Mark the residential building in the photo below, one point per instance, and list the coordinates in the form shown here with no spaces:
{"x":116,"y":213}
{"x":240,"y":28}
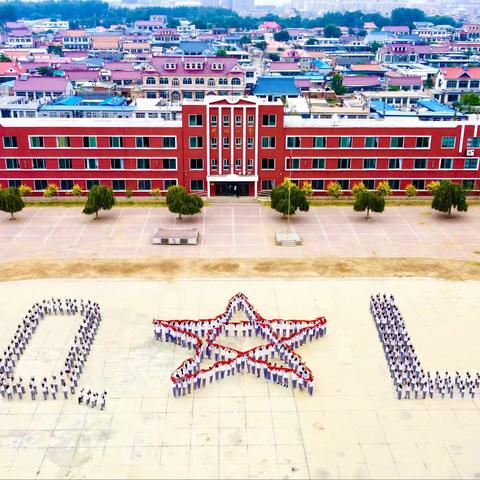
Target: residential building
{"x":35,"y":87}
{"x":451,"y":83}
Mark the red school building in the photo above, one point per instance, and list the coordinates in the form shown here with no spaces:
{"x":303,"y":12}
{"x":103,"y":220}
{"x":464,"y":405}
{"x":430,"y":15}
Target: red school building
{"x":243,"y":142}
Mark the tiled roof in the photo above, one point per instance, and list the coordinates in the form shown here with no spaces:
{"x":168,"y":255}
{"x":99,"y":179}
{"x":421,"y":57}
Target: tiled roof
{"x":79,"y":76}
{"x":454,"y":72}
{"x":41,"y":84}
{"x":360,"y":81}
{"x":9,"y":68}
{"x":118,"y":75}
{"x":158,"y":63}
{"x":405,"y":81}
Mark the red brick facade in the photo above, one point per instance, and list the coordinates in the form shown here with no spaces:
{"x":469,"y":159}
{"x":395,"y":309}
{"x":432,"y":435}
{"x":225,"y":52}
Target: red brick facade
{"x":244,"y":142}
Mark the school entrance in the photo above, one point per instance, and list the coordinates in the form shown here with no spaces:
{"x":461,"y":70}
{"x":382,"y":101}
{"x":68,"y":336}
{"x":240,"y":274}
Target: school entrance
{"x":232,"y":189}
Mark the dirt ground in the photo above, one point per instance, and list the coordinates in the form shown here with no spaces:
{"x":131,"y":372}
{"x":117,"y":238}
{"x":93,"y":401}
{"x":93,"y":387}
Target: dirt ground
{"x":157,"y":268}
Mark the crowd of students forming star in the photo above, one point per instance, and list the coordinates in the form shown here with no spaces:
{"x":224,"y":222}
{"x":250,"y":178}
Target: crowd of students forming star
{"x":283,"y":336}
{"x":408,"y":375}
{"x":67,"y":380}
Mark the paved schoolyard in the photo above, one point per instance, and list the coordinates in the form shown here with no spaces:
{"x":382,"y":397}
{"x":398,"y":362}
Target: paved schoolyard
{"x":241,"y":230}
{"x":243,"y":427}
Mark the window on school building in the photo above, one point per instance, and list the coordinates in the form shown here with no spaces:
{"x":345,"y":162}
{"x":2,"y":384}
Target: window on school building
{"x":446,"y":163}
{"x":117,"y":163}
{"x":10,"y":142}
{"x":64,"y":163}
{"x":214,"y":164}
{"x":292,"y":164}
{"x":196,"y":164}
{"x":469,"y":184}
{"x":63,"y":142}
{"x":448,"y":142}
{"x":238,"y":120}
{"x":267,"y":184}
{"x":12,"y":163}
{"x":345,"y":142}
{"x":394,"y":184}
{"x":36,"y":142}
{"x":471,"y":164}
{"x":250,"y":164}
{"x":371,"y":142}
{"x":268,"y":142}
{"x":250,"y":120}
{"x":397,"y":142}
{"x":226,"y":164}
{"x":319,"y":142}
{"x":226,"y":120}
{"x":38,"y":163}
{"x":169,"y":183}
{"x":169,"y":142}
{"x":423,"y":142}
{"x":318,"y":163}
{"x":89,"y":142}
{"x":369,"y":163}
{"x":420,"y":163}
{"x":343,"y":163}
{"x":238,"y":164}
{"x":394,"y":163}
{"x":419,"y":184}
{"x":213,"y":120}
{"x":293,"y":142}
{"x":195,"y":120}
{"x":91,"y":183}
{"x":238,"y":142}
{"x":169,"y":163}
{"x":269,"y":120}
{"x":268,"y":164}
{"x":196,"y":185}
{"x":226,"y":142}
{"x":473,"y":142}
{"x":118,"y":184}
{"x":369,"y":184}
{"x":66,"y":185}
{"x":91,"y":163}
{"x":195,"y":142}
{"x":143,"y":164}
{"x":116,"y":142}
{"x":214,"y":142}
{"x":317,"y":184}
{"x":145,"y":185}
{"x":14,"y":183}
{"x":142,"y":142}
{"x":250,"y":142}
{"x":40,"y":184}
{"x":344,"y":184}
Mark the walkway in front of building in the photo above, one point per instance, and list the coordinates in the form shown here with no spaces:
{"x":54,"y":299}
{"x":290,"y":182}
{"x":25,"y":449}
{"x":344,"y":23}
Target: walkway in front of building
{"x":240,"y":230}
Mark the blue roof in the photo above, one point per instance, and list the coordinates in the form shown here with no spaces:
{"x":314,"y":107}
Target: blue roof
{"x":112,"y":103}
{"x":276,"y":86}
{"x":321,"y":64}
{"x":381,"y":106}
{"x":69,"y":101}
{"x":435,"y":106}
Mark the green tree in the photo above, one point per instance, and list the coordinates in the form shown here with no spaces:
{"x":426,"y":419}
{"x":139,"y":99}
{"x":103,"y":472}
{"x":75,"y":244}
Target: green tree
{"x":51,"y":190}
{"x":244,"y":39}
{"x":428,"y":83}
{"x":282,"y":36}
{"x":76,"y":190}
{"x":410,"y":191}
{"x":128,"y":193}
{"x":334,"y":190}
{"x":4,"y":58}
{"x":221,"y":52}
{"x":469,"y":100}
{"x":275,"y":57}
{"x":288,"y":197}
{"x":449,"y":195}
{"x":24,"y":190}
{"x":181,"y":202}
{"x":432,"y":186}
{"x":357,"y":189}
{"x":331,"y":31}
{"x":311,"y":41}
{"x":369,"y":201}
{"x":45,"y":71}
{"x":260,"y":45}
{"x":384,"y":189}
{"x":375,"y":46}
{"x":11,"y":201}
{"x":56,"y":49}
{"x":336,"y":84}
{"x":100,"y":197}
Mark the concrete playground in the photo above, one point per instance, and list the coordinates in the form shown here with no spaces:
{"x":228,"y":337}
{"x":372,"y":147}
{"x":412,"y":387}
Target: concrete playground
{"x":242,"y":427}
{"x":240,"y":231}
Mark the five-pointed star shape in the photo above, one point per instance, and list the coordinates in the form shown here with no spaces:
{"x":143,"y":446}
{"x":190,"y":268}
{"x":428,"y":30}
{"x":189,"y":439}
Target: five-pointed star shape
{"x":256,"y":358}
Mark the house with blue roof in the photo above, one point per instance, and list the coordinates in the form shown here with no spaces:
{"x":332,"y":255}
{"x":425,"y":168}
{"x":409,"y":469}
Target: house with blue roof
{"x":274,"y":88}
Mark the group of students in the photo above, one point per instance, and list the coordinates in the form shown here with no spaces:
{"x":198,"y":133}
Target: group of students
{"x":67,"y":380}
{"x":282,"y":336}
{"x":408,"y":375}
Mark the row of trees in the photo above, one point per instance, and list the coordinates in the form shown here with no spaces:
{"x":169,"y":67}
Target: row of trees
{"x":91,"y":13}
{"x":288,"y":197}
{"x":101,"y":197}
